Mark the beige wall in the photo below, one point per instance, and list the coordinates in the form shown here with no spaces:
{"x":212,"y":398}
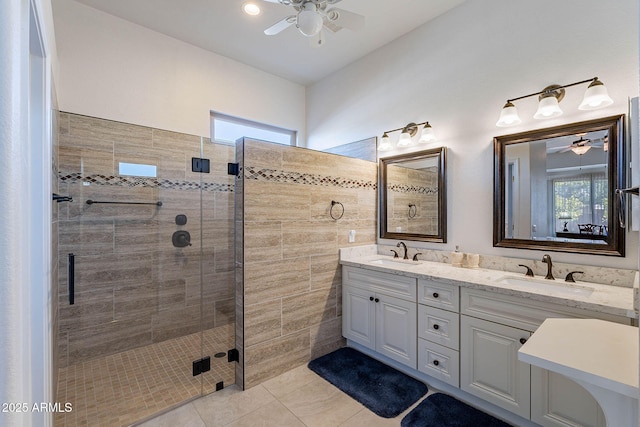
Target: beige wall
{"x":133,"y":287}
{"x":292,"y":279}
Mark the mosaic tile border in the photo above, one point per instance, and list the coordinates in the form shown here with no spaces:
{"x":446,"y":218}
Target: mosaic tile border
{"x":286,"y":177}
{"x":130,"y":181}
{"x":404,"y":188}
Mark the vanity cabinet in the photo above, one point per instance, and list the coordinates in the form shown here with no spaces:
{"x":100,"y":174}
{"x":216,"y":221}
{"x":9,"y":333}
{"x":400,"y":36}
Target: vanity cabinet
{"x":439,"y":330}
{"x":493,"y":328}
{"x":380,"y":312}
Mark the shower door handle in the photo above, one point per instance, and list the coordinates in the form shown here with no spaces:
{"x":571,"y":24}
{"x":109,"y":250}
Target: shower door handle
{"x":72,"y":278}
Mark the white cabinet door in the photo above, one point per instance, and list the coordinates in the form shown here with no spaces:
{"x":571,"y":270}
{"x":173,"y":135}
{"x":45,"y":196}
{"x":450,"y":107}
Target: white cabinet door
{"x":556,"y":401}
{"x":397,"y":330}
{"x":489,"y":365}
{"x":358,"y":316}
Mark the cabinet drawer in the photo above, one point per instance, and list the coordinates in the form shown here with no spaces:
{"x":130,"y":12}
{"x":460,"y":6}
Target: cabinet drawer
{"x":439,"y":326}
{"x":439,"y":362}
{"x":440,"y":295}
{"x":521,"y":312}
{"x":384,"y":283}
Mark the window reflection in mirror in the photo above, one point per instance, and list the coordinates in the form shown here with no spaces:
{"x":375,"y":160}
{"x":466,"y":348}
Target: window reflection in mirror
{"x":412,"y":196}
{"x":556,"y":188}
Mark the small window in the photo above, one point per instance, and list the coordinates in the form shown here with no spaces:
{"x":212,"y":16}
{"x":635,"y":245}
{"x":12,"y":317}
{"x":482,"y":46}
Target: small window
{"x":227,"y":129}
{"x":137,"y":169}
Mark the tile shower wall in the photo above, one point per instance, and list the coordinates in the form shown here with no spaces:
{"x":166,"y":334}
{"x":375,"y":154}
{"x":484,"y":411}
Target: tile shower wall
{"x":133,"y":287}
{"x":292,"y":278}
{"x":412,"y":208}
{"x":55,"y":362}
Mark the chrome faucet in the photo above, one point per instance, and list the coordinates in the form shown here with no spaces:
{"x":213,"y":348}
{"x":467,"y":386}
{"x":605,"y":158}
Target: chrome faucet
{"x":405,"y":249}
{"x":547,"y":260}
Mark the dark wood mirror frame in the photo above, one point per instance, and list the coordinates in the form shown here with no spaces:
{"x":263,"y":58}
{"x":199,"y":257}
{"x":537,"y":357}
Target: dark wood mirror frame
{"x":441,"y":235}
{"x":615,"y":241}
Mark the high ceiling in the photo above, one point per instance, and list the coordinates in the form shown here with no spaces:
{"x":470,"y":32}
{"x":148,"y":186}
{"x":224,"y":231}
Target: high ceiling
{"x":222,"y":27}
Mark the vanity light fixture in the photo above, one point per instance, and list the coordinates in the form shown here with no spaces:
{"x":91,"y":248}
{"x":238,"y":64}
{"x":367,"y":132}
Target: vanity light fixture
{"x":549,"y":98}
{"x":408,"y":132}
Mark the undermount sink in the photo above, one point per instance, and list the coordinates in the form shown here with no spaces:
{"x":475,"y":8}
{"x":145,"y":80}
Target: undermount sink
{"x":555,"y":286}
{"x":393,"y":261}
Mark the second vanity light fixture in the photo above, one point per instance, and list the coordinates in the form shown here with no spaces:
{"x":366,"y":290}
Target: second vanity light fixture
{"x":410,"y":130}
{"x":595,"y":97}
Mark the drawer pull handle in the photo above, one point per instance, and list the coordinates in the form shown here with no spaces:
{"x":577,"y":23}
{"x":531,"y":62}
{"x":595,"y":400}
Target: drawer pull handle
{"x":523,"y":340}
{"x":435,"y":295}
{"x":370,"y":298}
{"x":436,"y":327}
{"x":436,"y":363}
{"x":377,"y":300}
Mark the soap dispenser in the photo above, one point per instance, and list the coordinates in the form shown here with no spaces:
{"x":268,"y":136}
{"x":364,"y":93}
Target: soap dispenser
{"x":456,"y":257}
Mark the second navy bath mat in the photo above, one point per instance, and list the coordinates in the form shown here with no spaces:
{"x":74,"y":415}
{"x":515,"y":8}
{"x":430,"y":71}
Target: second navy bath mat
{"x":441,"y":410}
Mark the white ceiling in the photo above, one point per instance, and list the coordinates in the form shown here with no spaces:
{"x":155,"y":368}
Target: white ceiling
{"x":222,"y":27}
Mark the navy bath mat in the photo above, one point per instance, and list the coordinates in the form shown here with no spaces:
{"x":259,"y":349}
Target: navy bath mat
{"x":440,"y":410}
{"x":381,"y":388}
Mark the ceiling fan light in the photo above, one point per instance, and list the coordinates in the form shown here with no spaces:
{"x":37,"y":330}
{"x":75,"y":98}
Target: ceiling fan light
{"x":596,"y":96}
{"x":385,"y":144}
{"x":548,"y":107}
{"x":508,"y":116}
{"x":309,"y":21}
{"x":580,"y":149}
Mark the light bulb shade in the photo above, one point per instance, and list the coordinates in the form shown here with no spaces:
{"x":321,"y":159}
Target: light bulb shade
{"x":508,"y":116}
{"x":547,"y":108}
{"x":384,"y":144}
{"x":581,"y":149}
{"x":427,"y":134}
{"x":595,"y":97}
{"x":405,"y":139}
{"x":309,"y":21}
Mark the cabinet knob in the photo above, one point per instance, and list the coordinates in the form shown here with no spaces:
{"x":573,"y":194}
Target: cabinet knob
{"x":436,"y":363}
{"x":436,"y":327}
{"x":377,"y":300}
{"x":435,"y":295}
{"x":370,"y":298}
{"x":523,"y":340}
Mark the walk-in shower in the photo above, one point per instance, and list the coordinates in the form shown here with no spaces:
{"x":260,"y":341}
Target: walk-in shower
{"x":146,"y":290}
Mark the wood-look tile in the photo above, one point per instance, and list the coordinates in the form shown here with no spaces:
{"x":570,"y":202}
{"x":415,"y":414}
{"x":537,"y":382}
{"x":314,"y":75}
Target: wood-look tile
{"x":272,"y":358}
{"x":326,"y":271}
{"x":85,"y":237}
{"x":224,"y":312}
{"x":263,"y":240}
{"x":269,"y":280}
{"x":134,"y":300}
{"x":119,"y":132}
{"x":84,"y":160}
{"x":262,"y":322}
{"x":326,"y":337}
{"x":169,"y":324}
{"x":260,"y":154}
{"x":167,"y":140}
{"x":302,"y":311}
{"x":92,"y":307}
{"x":301,"y":238}
{"x":270,"y":201}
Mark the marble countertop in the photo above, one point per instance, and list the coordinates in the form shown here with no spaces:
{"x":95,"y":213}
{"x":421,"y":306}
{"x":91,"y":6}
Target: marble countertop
{"x":609,"y":299}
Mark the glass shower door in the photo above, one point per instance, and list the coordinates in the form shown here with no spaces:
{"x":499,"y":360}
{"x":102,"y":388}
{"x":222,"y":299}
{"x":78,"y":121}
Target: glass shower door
{"x":144,"y":274}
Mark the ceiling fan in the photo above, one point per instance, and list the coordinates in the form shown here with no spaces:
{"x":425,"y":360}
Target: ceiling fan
{"x":582,"y":145}
{"x":313,"y":15}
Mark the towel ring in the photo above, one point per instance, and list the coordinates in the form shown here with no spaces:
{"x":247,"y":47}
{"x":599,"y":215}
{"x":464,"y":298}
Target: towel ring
{"x":333,"y":203}
{"x":413,"y":210}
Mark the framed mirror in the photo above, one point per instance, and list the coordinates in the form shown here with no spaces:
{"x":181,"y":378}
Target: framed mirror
{"x":554,"y":188}
{"x":412,"y":196}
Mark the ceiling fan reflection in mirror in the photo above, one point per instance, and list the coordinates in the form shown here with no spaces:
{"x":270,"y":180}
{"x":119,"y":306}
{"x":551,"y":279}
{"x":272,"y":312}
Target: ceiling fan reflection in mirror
{"x":312,"y":16}
{"x":582,"y":145}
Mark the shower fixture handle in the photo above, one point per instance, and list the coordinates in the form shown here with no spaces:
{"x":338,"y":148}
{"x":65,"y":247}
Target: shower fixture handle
{"x":181,"y":239}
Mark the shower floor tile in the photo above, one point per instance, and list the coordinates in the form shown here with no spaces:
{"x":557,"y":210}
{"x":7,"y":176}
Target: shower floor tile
{"x":122,"y":388}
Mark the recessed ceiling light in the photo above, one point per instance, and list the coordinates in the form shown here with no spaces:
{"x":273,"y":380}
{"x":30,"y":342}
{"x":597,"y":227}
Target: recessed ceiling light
{"x":251,"y":9}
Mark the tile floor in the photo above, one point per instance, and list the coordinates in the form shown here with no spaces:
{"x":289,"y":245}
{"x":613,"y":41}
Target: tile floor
{"x":120,"y":389}
{"x":296,"y":398}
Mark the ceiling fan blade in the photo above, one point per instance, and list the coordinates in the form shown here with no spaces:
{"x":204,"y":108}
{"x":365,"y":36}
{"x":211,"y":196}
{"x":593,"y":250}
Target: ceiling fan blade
{"x":281,"y":25}
{"x":333,"y":1}
{"x":345,"y":19}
